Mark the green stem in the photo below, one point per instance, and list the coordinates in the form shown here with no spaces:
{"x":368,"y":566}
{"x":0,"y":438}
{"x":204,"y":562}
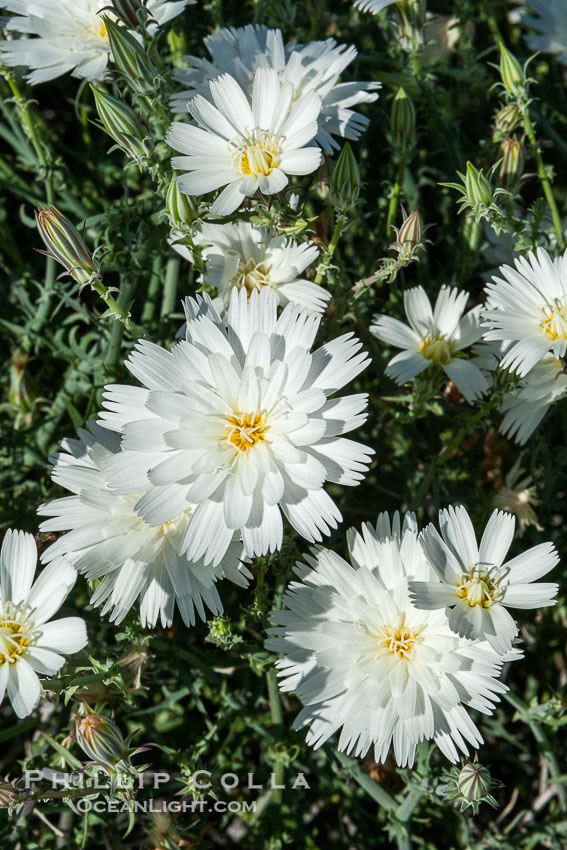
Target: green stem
{"x":331,"y":248}
{"x":546,"y":749}
{"x":417,"y":501}
{"x":117,"y":310}
{"x":543,"y":177}
{"x":276,"y":703}
{"x":153,"y":290}
{"x":169,"y":292}
{"x":394,"y":197}
{"x":117,"y":330}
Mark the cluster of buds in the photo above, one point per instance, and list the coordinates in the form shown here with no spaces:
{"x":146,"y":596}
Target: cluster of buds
{"x":402,"y":122}
{"x":345,"y":182}
{"x":102,"y":741}
{"x":468,"y":787}
{"x":122,"y":125}
{"x":130,"y":57}
{"x":478,"y":194}
{"x":66,"y":246}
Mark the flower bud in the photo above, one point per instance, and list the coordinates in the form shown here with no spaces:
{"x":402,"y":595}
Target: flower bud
{"x":131,"y":12}
{"x":511,"y":73}
{"x":410,"y":234}
{"x":477,"y":188}
{"x":345,"y":182}
{"x":506,"y":121}
{"x":469,"y":786}
{"x":178,"y":205}
{"x":65,"y":244}
{"x":9,"y":794}
{"x":512,"y":165}
{"x":402,"y":121}
{"x":101,"y":740}
{"x":121,"y":123}
{"x":130,"y":57}
{"x":474,"y":782}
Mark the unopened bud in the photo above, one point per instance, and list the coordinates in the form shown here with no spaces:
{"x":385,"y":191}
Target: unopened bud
{"x":511,"y":73}
{"x":178,"y":205}
{"x":402,"y":121}
{"x":101,"y":740}
{"x":345,"y":182}
{"x":65,"y":244}
{"x":130,"y":57}
{"x":506,"y":121}
{"x":512,"y":165}
{"x":9,"y":794}
{"x":411,"y":231}
{"x":474,"y":782}
{"x":477,"y":188}
{"x":131,"y":12}
{"x":121,"y":123}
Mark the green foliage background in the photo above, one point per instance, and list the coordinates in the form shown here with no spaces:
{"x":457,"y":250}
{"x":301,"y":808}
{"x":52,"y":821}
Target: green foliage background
{"x":204,"y":698}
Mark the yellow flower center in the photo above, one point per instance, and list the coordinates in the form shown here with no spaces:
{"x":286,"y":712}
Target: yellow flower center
{"x":245,"y":430}
{"x":13,"y":640}
{"x":480,"y":587}
{"x":437,"y":349}
{"x":400,"y":641}
{"x":256,"y":154}
{"x":554,"y":322}
{"x":251,"y":276}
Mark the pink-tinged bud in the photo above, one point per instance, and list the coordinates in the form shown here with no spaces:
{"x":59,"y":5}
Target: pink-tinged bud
{"x":65,"y":244}
{"x":179,"y":206}
{"x":412,"y":230}
{"x":512,"y":165}
{"x":101,"y":740}
{"x":121,"y":123}
{"x":511,"y":73}
{"x":9,"y":794}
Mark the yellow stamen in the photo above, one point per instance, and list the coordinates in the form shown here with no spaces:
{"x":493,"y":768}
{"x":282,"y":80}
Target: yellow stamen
{"x":251,"y":276}
{"x":437,"y":349}
{"x":554,"y":323}
{"x":400,"y":641}
{"x":480,"y":587}
{"x":258,"y":153}
{"x":13,"y":640}
{"x":244,"y":431}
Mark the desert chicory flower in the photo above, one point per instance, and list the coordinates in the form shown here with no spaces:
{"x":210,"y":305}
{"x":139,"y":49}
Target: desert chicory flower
{"x":434,"y":338}
{"x":245,"y":146}
{"x":29,"y":643}
{"x":237,"y":422}
{"x":364,"y":661}
{"x":475,"y":583}
{"x":314,"y":67}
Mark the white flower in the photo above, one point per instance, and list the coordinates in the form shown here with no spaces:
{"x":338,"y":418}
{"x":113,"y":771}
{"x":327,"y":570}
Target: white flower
{"x":107,"y":540}
{"x":526,"y":406}
{"x":550,"y":22}
{"x":435,"y":338}
{"x":373,"y":6}
{"x":243,"y":256}
{"x":527,"y":306}
{"x":314,"y":67}
{"x":29,"y":644}
{"x":238,"y":421}
{"x":67,"y":35}
{"x":247,"y":147}
{"x":476,"y":585}
{"x":361,"y":657}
